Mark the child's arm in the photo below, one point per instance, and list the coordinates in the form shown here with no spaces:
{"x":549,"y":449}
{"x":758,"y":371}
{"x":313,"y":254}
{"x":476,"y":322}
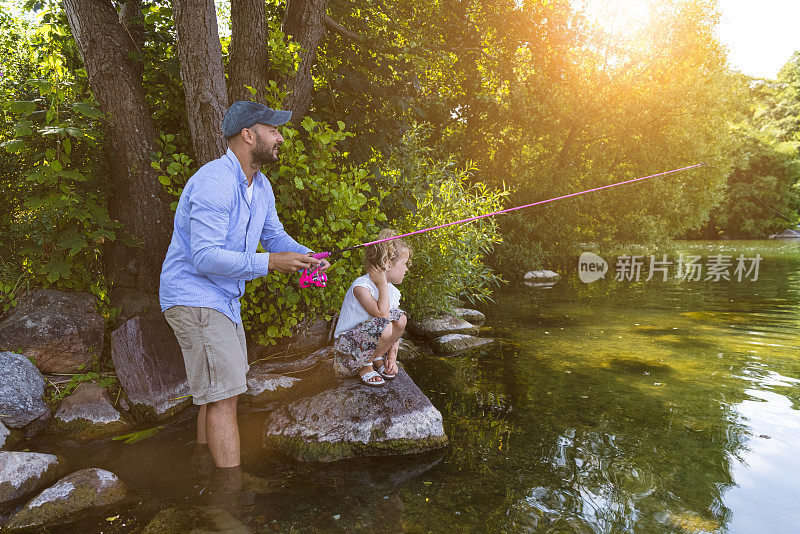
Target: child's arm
{"x":379,"y":308}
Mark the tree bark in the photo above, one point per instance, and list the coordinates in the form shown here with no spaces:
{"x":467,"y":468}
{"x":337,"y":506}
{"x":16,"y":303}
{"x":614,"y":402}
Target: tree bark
{"x":249,"y":63}
{"x":303,"y":20}
{"x":202,"y":74}
{"x":137,"y":200}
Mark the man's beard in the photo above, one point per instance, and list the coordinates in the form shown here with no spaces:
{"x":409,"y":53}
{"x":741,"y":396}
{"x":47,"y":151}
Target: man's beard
{"x":263,"y":153}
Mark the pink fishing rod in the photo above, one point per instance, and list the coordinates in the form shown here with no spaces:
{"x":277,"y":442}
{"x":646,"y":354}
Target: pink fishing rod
{"x":316,"y":277}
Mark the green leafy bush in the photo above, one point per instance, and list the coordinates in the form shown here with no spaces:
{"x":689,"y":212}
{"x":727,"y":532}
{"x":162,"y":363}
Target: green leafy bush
{"x":54,"y":193}
{"x":424,"y":191}
{"x":325,"y":206}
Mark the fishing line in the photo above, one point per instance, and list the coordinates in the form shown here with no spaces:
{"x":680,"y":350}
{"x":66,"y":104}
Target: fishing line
{"x":508,"y":210}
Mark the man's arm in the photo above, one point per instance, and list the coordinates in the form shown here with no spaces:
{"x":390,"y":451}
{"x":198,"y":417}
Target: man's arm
{"x":210,"y":205}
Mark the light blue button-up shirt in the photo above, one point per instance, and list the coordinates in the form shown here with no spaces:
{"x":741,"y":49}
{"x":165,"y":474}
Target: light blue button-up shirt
{"x":215,"y":236}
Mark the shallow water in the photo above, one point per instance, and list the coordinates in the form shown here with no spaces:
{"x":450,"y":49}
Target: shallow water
{"x":616,"y":406}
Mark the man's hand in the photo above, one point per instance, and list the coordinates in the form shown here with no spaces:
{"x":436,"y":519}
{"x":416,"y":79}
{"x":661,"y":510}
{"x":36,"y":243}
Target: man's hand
{"x":291,"y":262}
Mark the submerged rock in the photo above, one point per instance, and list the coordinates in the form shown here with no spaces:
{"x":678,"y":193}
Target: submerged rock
{"x":433,"y":327}
{"x":21,"y":390}
{"x":453,"y":343}
{"x":73,"y":494}
{"x":263,"y":387}
{"x":408,"y":350}
{"x":22,"y":473}
{"x":351,"y":419}
{"x":472,"y":316}
{"x":88,"y":414}
{"x":183,"y":518}
{"x":149,"y":365}
{"x":58,"y":331}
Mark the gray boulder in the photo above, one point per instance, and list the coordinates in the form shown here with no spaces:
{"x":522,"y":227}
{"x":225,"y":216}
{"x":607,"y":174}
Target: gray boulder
{"x":433,"y":327}
{"x":472,"y":316}
{"x":456,"y":343}
{"x":58,"y":331}
{"x":149,"y":364}
{"x":263,"y":387}
{"x":22,"y":473}
{"x":21,"y":390}
{"x":4,"y":435}
{"x":70,"y":496}
{"x":351,"y":419}
{"x":88,"y":414}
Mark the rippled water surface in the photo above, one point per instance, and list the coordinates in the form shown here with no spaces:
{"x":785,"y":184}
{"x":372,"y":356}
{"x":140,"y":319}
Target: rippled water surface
{"x":660,"y":406}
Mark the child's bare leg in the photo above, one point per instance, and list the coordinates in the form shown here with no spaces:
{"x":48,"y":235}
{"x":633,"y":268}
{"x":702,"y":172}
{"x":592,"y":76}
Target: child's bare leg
{"x":398,"y":327}
{"x":384,"y":342}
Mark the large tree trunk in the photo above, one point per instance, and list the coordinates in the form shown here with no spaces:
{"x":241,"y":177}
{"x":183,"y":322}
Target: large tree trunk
{"x":249,"y":63}
{"x":138,"y":200}
{"x":202,"y":74}
{"x":303,"y":20}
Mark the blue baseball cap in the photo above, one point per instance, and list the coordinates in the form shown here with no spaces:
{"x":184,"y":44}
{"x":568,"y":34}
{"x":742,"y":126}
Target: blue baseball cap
{"x":244,"y":114}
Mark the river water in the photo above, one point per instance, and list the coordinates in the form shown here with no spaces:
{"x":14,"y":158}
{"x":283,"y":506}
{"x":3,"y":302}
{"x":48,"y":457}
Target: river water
{"x":613,"y":406}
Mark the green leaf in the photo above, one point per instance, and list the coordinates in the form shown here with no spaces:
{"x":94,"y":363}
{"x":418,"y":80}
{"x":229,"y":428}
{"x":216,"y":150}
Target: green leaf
{"x":21,"y":107}
{"x":133,"y":437}
{"x":14,"y":145}
{"x":87,"y":110}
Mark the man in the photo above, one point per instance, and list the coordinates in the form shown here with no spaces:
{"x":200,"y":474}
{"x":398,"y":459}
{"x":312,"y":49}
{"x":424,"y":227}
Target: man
{"x":225,"y":210}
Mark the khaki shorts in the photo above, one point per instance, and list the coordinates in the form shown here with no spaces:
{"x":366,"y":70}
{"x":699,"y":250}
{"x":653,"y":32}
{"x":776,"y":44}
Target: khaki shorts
{"x":214,"y":352}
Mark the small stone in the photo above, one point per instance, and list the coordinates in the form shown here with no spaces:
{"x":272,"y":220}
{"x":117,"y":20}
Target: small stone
{"x":457,"y":343}
{"x":70,"y":496}
{"x":88,"y":414}
{"x":542,"y":276}
{"x":22,"y":473}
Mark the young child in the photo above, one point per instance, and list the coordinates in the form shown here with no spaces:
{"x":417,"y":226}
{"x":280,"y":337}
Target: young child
{"x":371,"y":321}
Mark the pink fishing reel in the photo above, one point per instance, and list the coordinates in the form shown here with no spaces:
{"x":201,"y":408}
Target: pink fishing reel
{"x":317,"y":277}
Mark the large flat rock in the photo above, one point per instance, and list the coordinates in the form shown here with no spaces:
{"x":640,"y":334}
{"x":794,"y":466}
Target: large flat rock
{"x":58,"y":331}
{"x":280,"y":365}
{"x":149,"y":365}
{"x":471,"y":316}
{"x":21,"y":390}
{"x":350,"y":419}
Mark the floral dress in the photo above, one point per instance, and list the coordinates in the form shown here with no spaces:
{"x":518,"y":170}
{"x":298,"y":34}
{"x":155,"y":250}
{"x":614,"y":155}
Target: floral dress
{"x":354,"y":348}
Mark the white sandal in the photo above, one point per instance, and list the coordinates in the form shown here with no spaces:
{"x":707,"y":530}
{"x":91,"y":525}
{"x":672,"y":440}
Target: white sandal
{"x":366,"y":377}
{"x":380,"y":370}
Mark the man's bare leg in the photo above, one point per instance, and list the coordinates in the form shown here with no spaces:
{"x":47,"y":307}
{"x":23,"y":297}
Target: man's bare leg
{"x":201,"y":426}
{"x":222,"y":431}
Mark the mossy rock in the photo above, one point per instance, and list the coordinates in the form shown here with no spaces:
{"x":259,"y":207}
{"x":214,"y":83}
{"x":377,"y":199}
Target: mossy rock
{"x":72,"y":495}
{"x":351,"y":419}
{"x":22,"y":473}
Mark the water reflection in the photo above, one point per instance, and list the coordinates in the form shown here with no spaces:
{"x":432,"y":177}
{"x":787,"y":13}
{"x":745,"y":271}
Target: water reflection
{"x":619,"y":407}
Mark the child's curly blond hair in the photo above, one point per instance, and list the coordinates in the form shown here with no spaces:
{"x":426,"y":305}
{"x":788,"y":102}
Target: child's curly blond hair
{"x":384,"y":255}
